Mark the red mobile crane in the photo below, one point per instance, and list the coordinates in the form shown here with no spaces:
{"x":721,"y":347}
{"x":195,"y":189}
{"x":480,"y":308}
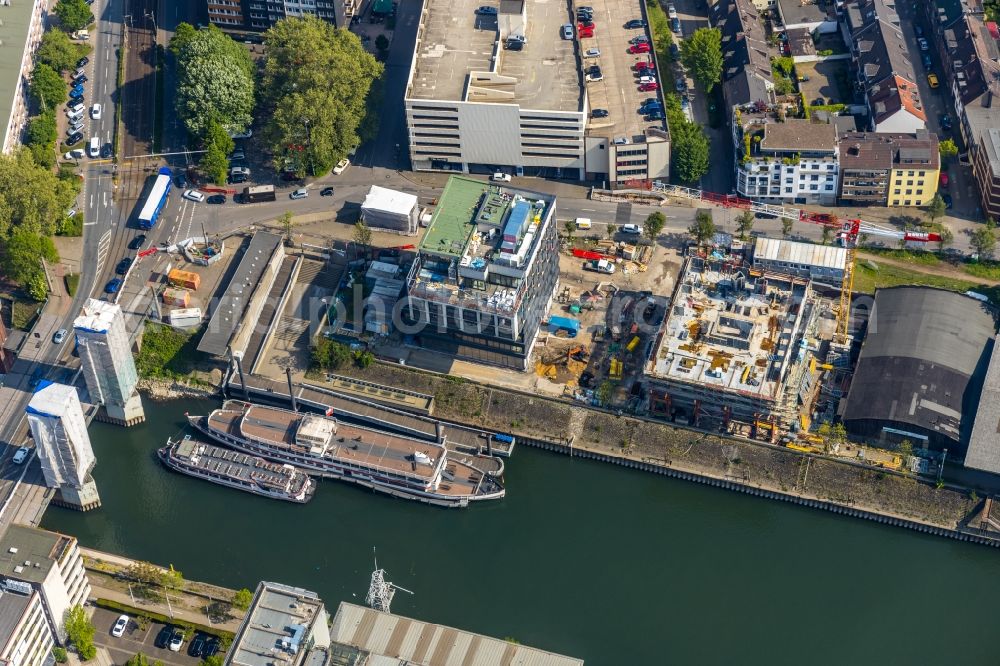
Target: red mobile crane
{"x":847,"y":230}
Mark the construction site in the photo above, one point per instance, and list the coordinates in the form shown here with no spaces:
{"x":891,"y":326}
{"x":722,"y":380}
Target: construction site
{"x":747,"y":349}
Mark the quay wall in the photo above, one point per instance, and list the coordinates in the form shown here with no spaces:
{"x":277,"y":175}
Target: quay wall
{"x":756,"y":468}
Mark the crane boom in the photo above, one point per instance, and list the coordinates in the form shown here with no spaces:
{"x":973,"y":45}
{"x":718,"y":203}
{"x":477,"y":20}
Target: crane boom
{"x":848,"y":231}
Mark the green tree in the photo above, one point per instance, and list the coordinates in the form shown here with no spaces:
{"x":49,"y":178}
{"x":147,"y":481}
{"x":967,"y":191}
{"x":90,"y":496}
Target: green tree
{"x":690,"y":152}
{"x":604,"y":392}
{"x":80,"y":632}
{"x":21,"y":259}
{"x":59,"y":654}
{"x":41,"y":138}
{"x":983,"y":240}
{"x":242,"y":599}
{"x":314,"y":87}
{"x":827,"y":235}
{"x":73,"y":14}
{"x":215,"y":82}
{"x":786,"y":226}
{"x":184,"y":34}
{"x":172,"y":579}
{"x":744,"y":223}
{"x":214,"y":660}
{"x":138,"y":659}
{"x":701,"y":53}
{"x":936,"y":208}
{"x":947,"y":148}
{"x":611,"y":230}
{"x":330,"y":355}
{"x":905,"y":449}
{"x":382,"y":44}
{"x":362,"y":235}
{"x":570,"y":228}
{"x":703,"y":228}
{"x":783,"y":65}
{"x":59,"y":52}
{"x":654,"y":225}
{"x":214,"y":164}
{"x":47,"y":88}
{"x":31,"y":197}
{"x":947,"y":237}
{"x":783,"y":86}
{"x":286,"y":225}
{"x":215,"y":134}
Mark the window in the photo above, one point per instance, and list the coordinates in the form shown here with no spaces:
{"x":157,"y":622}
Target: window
{"x":814,"y":177}
{"x":814,"y":187}
{"x":909,"y":191}
{"x":909,"y":182}
{"x":920,"y":173}
{"x":829,"y":187}
{"x":909,"y":173}
{"x":919,"y":192}
{"x":789,"y":181}
{"x":906,"y":203}
{"x":920,"y":183}
{"x":896,"y":192}
{"x":788,"y":190}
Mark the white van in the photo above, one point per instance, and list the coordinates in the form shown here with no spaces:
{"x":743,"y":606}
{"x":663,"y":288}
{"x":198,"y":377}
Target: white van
{"x":75,"y":154}
{"x":583,"y":223}
{"x":95,"y":147}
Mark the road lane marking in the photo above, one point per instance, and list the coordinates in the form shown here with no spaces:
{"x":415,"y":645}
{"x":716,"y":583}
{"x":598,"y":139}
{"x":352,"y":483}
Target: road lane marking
{"x":91,"y":200}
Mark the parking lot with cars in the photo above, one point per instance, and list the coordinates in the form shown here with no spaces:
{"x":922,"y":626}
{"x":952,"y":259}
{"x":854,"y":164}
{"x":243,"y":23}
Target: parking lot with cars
{"x":123,"y":639}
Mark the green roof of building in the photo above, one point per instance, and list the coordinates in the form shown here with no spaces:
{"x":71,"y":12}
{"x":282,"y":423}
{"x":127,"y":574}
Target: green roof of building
{"x":15,"y":19}
{"x":452,"y":224}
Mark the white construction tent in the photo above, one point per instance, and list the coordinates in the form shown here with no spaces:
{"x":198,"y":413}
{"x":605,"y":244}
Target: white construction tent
{"x":390,"y":210}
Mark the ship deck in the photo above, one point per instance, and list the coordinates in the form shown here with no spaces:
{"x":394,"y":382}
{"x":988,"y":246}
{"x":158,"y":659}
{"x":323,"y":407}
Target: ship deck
{"x":352,"y":444}
{"x":236,"y":465}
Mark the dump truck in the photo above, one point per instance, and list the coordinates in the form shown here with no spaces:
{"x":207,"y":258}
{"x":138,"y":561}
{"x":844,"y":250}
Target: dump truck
{"x":599,"y":265}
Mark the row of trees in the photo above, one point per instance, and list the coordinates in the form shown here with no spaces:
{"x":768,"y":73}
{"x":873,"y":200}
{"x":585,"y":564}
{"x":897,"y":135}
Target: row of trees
{"x":689,"y":148}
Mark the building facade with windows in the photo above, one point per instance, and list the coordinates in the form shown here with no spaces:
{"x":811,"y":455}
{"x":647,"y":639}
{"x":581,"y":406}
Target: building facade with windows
{"x":46,"y":563}
{"x":262,"y":14}
{"x":503,"y":91}
{"x":794,"y":161}
{"x":25,"y":636}
{"x":889,"y":169}
{"x":485,"y":273}
{"x":22,"y":24}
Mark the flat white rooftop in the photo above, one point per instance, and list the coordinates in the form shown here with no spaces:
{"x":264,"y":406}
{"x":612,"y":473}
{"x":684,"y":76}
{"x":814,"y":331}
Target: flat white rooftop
{"x":455,"y":42}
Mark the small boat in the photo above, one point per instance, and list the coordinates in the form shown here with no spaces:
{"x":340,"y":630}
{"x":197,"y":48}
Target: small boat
{"x":323,"y":446}
{"x":237,"y":470}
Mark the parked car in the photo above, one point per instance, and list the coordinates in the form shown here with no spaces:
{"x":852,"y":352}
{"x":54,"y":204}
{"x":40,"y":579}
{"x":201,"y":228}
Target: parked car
{"x":163,"y":638}
{"x":641,"y":39}
{"x":59,"y":336}
{"x":113,"y":286}
{"x":635,"y":229}
{"x":95,"y":111}
{"x":649,"y":87}
{"x":216,"y":199}
{"x":932,"y":80}
{"x":137,"y":242}
{"x":592,"y":53}
{"x":567,"y":31}
{"x":341,"y":166}
{"x":644,"y":66}
{"x":176,"y":641}
{"x":642,"y":47}
{"x":486,"y":10}
{"x":586,"y":32}
{"x":180,"y":180}
{"x":926,"y":59}
{"x":194,"y":195}
{"x":197,"y":646}
{"x":74,"y":108}
{"x":74,"y":138}
{"x":120,"y":626}
{"x":21,"y":455}
{"x":594,"y":73}
{"x":918,"y":31}
{"x":599,"y":113}
{"x":124,"y":265}
{"x":300,"y":193}
{"x":83,"y":62}
{"x":238,"y":154}
{"x":584,"y":24}
{"x":326,"y":192}
{"x":75,"y":128}
{"x":500,"y":177}
{"x":75,"y":154}
{"x":211,"y":647}
{"x":514,"y":43}
{"x":948,"y":201}
{"x":945,"y":122}
{"x":923,"y":44}
{"x":79,"y":80}
{"x":943,"y":179}
{"x":635,"y":24}
{"x":654,"y":115}
{"x":675,"y":51}
{"x":106,"y":150}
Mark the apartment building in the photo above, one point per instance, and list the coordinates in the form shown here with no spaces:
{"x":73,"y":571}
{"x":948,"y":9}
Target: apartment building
{"x":25,"y":635}
{"x":967,"y":46}
{"x":746,"y":68}
{"x":789,"y":161}
{"x":883,"y":67}
{"x":505,"y":91}
{"x":485,"y":273}
{"x":21,"y":26}
{"x":810,"y":15}
{"x":48,"y":564}
{"x":889,"y":169}
{"x":262,"y":14}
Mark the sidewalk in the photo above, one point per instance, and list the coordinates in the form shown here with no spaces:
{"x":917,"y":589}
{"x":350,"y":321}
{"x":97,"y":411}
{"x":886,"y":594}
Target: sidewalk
{"x":186,"y":605}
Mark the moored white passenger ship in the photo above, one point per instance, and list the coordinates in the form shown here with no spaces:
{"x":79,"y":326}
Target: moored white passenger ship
{"x":321,"y":445}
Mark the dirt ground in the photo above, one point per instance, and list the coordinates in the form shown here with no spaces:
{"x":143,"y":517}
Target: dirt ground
{"x":822,"y":80}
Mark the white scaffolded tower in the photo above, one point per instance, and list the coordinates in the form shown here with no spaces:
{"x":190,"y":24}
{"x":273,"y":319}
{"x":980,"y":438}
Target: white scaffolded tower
{"x":381,"y":591}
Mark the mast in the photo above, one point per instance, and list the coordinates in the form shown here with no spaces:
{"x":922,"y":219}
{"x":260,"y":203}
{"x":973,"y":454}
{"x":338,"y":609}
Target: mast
{"x":381,"y":591}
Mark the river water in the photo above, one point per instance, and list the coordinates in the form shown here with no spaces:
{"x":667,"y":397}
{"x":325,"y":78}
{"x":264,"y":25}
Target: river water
{"x":610,"y":565}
